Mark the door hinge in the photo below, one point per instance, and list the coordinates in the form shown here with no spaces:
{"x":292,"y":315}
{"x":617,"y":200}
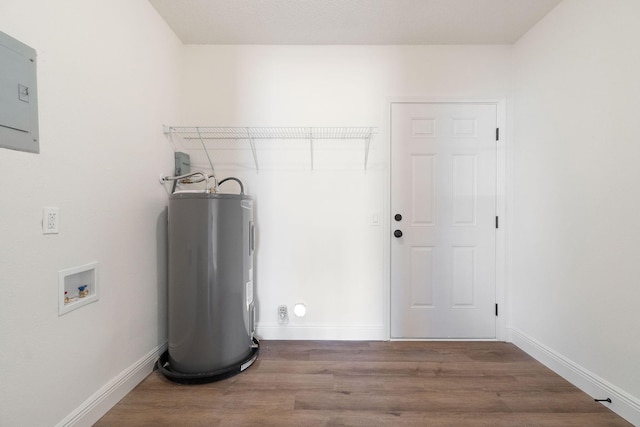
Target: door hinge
{"x":497,"y":134}
{"x":497,"y":222}
{"x":496,"y":309}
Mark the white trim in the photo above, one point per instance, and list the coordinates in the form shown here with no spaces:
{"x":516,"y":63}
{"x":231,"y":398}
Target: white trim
{"x":501,"y":202}
{"x":338,"y":333}
{"x":501,"y":211}
{"x":622,"y":403}
{"x":444,"y":340}
{"x":385,"y":140}
{"x":111,"y":393}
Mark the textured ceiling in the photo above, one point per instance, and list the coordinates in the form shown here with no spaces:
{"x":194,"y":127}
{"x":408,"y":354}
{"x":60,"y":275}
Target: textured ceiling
{"x":373,"y":22}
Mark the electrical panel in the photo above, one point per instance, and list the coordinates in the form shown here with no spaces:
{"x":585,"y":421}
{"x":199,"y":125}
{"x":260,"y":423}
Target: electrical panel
{"x":183,"y":163}
{"x":18,"y":96}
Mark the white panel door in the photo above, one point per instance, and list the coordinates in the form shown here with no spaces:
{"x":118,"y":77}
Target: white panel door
{"x":443,"y":214}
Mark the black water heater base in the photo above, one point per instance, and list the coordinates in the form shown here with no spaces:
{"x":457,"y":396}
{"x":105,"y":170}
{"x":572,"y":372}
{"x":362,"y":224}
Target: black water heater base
{"x":164,"y":366}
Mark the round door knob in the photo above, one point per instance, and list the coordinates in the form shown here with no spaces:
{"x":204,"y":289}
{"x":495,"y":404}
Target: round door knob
{"x":398,"y":217}
{"x":397,"y":233}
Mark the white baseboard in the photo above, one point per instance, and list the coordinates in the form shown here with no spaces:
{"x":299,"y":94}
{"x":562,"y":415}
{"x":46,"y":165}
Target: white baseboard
{"x":622,"y":403}
{"x":104,"y":399}
{"x":337,"y":333}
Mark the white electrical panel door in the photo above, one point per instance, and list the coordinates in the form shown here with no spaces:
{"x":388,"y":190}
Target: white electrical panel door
{"x":18,"y":96}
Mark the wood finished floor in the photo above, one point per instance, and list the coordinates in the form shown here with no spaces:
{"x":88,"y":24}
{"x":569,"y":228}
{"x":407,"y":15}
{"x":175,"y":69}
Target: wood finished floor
{"x":339,"y":383}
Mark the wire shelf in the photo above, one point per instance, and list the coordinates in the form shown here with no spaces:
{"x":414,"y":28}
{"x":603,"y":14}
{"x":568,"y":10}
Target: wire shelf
{"x":209,"y":132}
{"x":250,"y":134}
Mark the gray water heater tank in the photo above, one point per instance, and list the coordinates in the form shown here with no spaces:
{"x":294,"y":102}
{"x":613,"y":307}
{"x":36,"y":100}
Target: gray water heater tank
{"x":211,"y":307}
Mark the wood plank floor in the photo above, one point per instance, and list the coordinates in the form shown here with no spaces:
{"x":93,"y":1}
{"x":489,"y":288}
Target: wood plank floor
{"x":339,"y":383}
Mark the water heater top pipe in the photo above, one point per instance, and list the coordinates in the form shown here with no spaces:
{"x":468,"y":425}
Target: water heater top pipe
{"x":205,"y":178}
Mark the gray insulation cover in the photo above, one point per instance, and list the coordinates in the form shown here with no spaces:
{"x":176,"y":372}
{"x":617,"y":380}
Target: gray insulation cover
{"x":211,"y":309}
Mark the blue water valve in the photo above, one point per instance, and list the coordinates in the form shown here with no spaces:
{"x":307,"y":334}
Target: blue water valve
{"x":83,"y":291}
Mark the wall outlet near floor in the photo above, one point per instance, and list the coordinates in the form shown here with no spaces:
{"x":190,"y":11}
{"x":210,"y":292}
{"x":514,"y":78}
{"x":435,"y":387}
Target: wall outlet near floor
{"x":283,"y":315}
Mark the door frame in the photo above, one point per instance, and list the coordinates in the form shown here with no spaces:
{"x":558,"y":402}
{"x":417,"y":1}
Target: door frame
{"x":501,"y":203}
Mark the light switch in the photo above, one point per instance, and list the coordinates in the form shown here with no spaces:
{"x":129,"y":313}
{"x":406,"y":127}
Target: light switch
{"x":375,"y":219}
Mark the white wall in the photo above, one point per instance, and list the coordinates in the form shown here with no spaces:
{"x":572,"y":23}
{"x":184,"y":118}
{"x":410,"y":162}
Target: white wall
{"x":316,"y":241}
{"x":108,"y":74}
{"x":574,"y":224}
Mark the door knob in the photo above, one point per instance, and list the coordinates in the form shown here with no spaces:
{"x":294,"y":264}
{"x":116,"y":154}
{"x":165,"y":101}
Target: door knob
{"x":397,"y":233}
{"x":398,"y":217}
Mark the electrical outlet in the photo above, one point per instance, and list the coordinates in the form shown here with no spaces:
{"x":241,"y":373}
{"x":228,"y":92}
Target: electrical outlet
{"x":50,"y":221}
{"x":283,"y":316}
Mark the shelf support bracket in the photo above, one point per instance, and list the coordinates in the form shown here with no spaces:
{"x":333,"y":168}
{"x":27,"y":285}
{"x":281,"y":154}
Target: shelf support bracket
{"x":252,"y":144}
{"x":167,"y":130}
{"x":204,"y":147}
{"x":310,"y":131}
{"x":367,"y":144}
